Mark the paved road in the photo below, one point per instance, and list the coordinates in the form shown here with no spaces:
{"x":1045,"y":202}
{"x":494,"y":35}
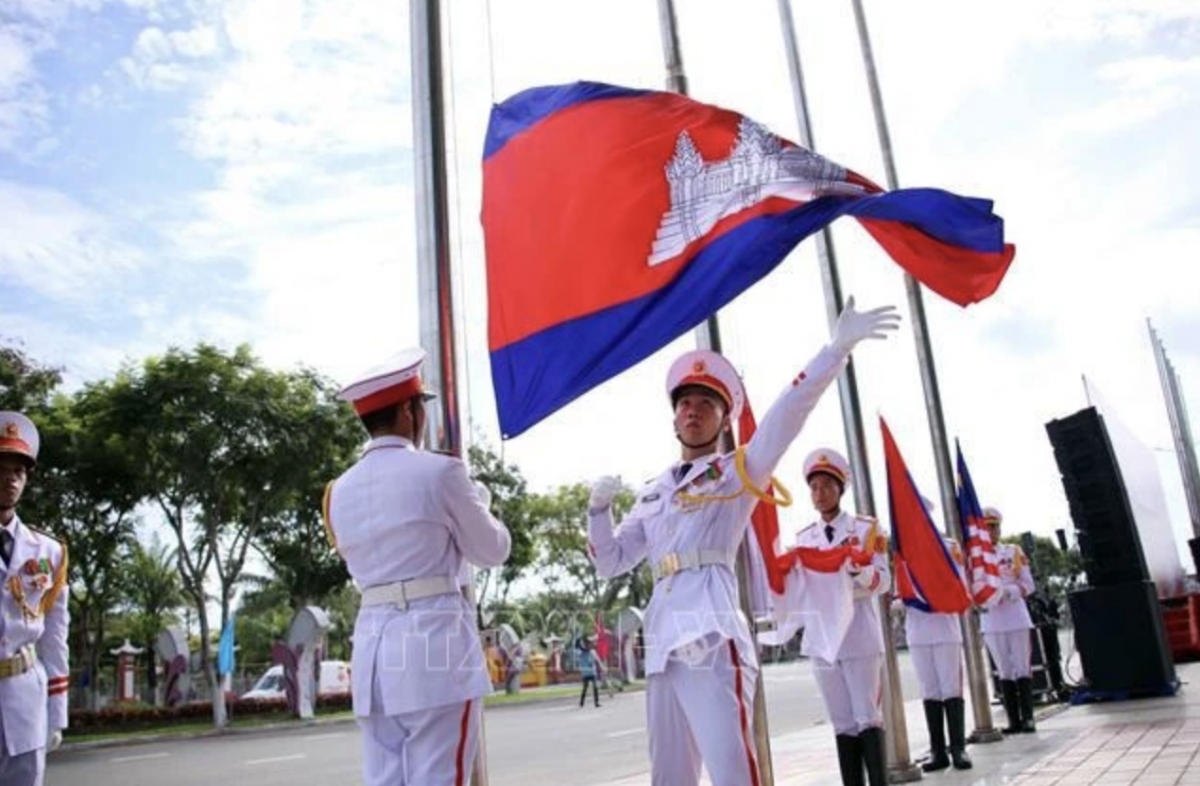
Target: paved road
{"x":548,"y":742}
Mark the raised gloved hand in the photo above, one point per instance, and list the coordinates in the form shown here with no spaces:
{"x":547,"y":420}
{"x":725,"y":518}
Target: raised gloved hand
{"x":604,"y":490}
{"x":854,"y":326}
{"x":54,"y":740}
{"x":484,"y":494}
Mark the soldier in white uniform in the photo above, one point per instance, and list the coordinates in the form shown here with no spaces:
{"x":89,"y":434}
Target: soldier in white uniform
{"x":701,"y":661}
{"x":1006,"y":629}
{"x":935,"y":646}
{"x":33,"y":620}
{"x":852,"y":685}
{"x":407,"y":521}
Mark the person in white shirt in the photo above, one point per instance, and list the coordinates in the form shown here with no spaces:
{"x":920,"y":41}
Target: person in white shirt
{"x":852,"y":683}
{"x":408,"y":522}
{"x":34,"y":673}
{"x":701,"y":662}
{"x":1006,"y":630}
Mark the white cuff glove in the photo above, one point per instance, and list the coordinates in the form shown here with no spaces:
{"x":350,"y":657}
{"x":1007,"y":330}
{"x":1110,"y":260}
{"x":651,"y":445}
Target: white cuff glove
{"x":853,"y":326}
{"x":604,"y":490}
{"x":484,"y":494}
{"x":54,"y":740}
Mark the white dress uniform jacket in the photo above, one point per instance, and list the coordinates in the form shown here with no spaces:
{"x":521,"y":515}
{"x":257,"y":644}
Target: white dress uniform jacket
{"x":33,"y":626}
{"x":399,"y":514}
{"x":663,"y":526}
{"x":1016,"y":583}
{"x":864,"y":636}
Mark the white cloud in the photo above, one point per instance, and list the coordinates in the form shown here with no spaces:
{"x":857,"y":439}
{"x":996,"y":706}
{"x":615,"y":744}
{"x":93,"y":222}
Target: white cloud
{"x":59,"y":248}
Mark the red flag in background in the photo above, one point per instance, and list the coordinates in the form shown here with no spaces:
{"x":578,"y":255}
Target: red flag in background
{"x":765,"y":518}
{"x":926,"y":574}
{"x":601,"y":638}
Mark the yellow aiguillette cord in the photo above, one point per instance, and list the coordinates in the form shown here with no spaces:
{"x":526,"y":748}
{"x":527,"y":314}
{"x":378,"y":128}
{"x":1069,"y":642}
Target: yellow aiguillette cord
{"x":739,"y":461}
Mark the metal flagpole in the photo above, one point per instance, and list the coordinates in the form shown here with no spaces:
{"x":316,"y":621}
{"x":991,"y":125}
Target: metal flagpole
{"x":985,"y":731}
{"x":900,"y":766}
{"x":434,"y":266}
{"x":708,"y":336}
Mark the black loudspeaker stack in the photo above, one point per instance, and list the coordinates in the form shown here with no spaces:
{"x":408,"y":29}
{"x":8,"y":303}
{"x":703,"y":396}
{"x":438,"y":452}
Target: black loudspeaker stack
{"x":1118,"y":622}
{"x":1104,"y":528}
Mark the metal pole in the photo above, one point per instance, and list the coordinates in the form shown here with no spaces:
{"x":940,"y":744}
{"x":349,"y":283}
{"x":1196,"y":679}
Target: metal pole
{"x":1180,"y":431}
{"x":984,"y":729}
{"x":708,"y":336}
{"x":434,"y":267}
{"x":900,"y":766}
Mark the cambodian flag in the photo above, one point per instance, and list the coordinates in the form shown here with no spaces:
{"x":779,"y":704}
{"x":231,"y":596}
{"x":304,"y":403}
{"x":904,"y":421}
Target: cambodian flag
{"x":982,"y":562}
{"x":615,"y":220}
{"x":927,"y":575}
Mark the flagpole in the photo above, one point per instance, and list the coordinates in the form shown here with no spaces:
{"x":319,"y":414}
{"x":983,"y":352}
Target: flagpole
{"x":708,"y":336}
{"x":900,"y":766}
{"x":434,"y":265}
{"x":984,"y":731}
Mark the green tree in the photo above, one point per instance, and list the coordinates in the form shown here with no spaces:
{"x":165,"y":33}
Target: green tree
{"x":512,"y":503}
{"x":221,"y":441}
{"x":564,"y":563}
{"x":25,"y":384}
{"x":154,"y":595}
{"x":293,"y":542}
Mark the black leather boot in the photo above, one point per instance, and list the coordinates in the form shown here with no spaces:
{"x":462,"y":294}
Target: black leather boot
{"x":874,"y":756}
{"x":956,"y":722}
{"x":934,"y":719}
{"x":1012,"y":707}
{"x":850,"y":760}
{"x":1025,"y":700}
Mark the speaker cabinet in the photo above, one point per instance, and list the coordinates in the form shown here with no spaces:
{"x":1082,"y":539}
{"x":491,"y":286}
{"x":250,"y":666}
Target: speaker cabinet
{"x":1121,"y":640}
{"x":1099,"y":505}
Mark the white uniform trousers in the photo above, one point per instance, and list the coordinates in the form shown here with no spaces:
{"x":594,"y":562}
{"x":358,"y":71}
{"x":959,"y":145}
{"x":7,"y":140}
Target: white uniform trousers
{"x":24,"y":769}
{"x":434,"y":747}
{"x":701,"y":708}
{"x":853,"y":692}
{"x":1011,"y":651}
{"x":939,"y":669}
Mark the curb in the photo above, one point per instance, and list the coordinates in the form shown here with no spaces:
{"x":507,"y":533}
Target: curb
{"x":165,"y":736}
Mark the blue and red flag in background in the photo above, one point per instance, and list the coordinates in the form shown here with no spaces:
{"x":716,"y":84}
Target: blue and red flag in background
{"x":982,"y":565}
{"x":616,"y":219}
{"x":927,"y":576}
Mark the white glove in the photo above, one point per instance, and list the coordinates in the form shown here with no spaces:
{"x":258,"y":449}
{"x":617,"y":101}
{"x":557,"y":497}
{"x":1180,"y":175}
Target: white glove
{"x":603,"y":491}
{"x":54,"y":740}
{"x":854,"y":326}
{"x":1012,"y":593}
{"x":484,"y":494}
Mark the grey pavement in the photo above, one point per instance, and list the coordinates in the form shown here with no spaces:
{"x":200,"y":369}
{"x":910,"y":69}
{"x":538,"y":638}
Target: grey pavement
{"x":1150,"y":742}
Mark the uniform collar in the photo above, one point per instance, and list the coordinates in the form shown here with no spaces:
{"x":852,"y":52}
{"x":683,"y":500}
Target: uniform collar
{"x":699,"y":466}
{"x":389,"y":441}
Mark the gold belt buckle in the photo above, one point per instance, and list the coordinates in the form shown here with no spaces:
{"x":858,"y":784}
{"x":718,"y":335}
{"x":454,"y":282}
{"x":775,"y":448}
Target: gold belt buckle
{"x":669,"y":565}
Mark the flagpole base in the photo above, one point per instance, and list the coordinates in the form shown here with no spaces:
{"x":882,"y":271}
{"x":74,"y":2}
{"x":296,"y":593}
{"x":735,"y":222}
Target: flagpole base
{"x":904,"y":773}
{"x":982,"y":736}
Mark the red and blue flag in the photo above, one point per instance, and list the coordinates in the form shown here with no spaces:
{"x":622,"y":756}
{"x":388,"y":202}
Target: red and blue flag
{"x":927,"y":576}
{"x":615,"y":220}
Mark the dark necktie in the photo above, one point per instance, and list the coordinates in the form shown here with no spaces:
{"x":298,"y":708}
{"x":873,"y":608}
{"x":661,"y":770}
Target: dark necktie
{"x":6,"y":545}
{"x":683,"y":470}
{"x":829,"y":532}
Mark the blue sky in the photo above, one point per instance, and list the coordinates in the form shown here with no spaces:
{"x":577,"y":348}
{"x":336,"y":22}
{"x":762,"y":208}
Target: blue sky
{"x":235,"y":171}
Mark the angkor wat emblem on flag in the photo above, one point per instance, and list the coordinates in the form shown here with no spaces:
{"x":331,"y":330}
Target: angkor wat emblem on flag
{"x":758,"y":167}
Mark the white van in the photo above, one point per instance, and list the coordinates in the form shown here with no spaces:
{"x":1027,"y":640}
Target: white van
{"x":334,"y":679}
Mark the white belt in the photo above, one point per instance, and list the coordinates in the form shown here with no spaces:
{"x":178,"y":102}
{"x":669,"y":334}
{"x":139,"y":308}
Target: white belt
{"x":678,"y":561}
{"x":402,"y":593}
